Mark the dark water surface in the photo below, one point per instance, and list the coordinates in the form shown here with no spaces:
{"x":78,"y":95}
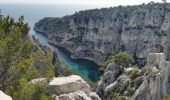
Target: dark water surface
{"x":33,"y":13}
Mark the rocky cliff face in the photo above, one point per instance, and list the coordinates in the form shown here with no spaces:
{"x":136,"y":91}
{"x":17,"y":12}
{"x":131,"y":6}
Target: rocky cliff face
{"x":150,"y":83}
{"x":96,"y":34}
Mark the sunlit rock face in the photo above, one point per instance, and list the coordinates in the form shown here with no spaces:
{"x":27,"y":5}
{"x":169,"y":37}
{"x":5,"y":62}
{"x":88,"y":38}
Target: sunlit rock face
{"x":96,"y":34}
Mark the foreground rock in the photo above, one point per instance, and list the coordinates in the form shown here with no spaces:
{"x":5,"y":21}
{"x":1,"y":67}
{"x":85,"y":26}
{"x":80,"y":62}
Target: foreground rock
{"x":148,"y":83}
{"x":64,"y":85}
{"x":71,"y":88}
{"x":3,"y":96}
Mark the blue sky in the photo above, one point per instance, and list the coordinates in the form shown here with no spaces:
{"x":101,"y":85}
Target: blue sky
{"x":82,"y":2}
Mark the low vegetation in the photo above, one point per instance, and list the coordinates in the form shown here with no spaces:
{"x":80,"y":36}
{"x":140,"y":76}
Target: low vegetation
{"x":122,"y":59}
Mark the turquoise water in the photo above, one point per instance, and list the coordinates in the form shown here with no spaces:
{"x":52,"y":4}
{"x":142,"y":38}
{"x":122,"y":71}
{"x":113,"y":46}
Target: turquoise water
{"x":85,"y":68}
{"x":33,"y":13}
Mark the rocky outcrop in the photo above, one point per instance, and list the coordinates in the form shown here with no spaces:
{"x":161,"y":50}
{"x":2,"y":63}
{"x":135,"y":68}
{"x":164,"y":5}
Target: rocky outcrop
{"x":71,"y":88}
{"x":116,"y":82}
{"x":96,"y":34}
{"x":111,"y":73}
{"x":148,"y":83}
{"x":3,"y":96}
{"x":156,"y":81}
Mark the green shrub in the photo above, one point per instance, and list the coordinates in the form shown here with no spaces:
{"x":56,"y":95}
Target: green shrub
{"x":119,"y":98}
{"x":67,"y":71}
{"x":135,"y":73}
{"x":102,"y":68}
{"x":130,"y":90}
{"x":92,"y":84}
{"x":122,"y":88}
{"x":123,"y":59}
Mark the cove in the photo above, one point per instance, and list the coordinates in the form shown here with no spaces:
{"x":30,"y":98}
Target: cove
{"x":85,"y":68}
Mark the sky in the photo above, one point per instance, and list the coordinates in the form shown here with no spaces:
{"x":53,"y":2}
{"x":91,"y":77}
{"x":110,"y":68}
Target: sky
{"x":81,"y":2}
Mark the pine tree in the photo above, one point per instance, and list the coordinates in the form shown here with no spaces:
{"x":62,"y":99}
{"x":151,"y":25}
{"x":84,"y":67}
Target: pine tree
{"x":19,"y":63}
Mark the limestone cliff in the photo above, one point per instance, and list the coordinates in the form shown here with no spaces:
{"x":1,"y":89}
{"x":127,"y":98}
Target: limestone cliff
{"x":96,"y":34}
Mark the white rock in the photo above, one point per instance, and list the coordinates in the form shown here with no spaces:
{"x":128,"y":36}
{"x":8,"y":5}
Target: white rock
{"x":3,"y":96}
{"x":65,"y":85}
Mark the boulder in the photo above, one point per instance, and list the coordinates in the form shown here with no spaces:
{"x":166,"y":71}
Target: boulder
{"x":65,"y":85}
{"x":3,"y":96}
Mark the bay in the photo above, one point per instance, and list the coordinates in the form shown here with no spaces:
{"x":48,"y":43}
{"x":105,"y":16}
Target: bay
{"x":34,"y":12}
